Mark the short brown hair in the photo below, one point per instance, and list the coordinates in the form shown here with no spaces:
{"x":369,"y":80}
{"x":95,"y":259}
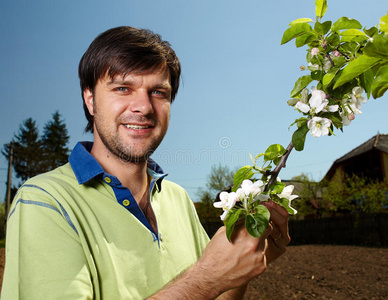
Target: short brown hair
{"x":123,"y":50}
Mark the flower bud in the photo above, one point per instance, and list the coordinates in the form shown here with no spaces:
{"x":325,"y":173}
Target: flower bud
{"x":314,"y":51}
{"x":336,"y":53}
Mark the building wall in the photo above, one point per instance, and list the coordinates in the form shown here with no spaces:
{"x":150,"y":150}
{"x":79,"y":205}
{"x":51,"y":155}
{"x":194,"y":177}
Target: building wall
{"x":384,"y":165}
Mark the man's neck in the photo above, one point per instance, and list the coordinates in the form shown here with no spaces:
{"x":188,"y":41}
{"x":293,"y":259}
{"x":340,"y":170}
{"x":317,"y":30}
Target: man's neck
{"x":131,"y":175}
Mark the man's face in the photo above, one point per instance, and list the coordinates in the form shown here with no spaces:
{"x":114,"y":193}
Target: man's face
{"x":131,"y":114}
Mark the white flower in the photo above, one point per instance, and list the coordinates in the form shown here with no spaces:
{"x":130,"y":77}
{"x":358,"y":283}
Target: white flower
{"x":317,"y":103}
{"x":249,"y":188}
{"x":313,"y":67}
{"x":314,"y":51}
{"x":224,"y":215}
{"x":286,"y":193}
{"x":357,"y":95}
{"x":326,"y":64}
{"x":303,"y":107}
{"x":318,"y":126}
{"x":346,"y":119}
{"x":318,"y":100}
{"x":348,"y":114}
{"x":228,"y":200}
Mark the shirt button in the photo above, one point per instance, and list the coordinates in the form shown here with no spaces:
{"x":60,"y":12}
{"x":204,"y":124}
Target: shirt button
{"x":107,"y":180}
{"x":126,"y":202}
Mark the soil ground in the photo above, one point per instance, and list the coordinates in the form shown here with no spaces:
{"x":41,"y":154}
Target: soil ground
{"x":318,"y":272}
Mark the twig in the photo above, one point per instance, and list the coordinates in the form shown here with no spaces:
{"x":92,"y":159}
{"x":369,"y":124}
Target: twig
{"x":282,"y":164}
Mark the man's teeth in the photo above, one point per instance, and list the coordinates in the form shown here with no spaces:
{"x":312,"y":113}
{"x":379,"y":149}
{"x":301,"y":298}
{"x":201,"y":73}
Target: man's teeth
{"x":135,"y":126}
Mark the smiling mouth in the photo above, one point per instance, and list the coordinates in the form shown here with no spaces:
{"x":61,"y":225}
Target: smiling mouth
{"x":136,"y":126}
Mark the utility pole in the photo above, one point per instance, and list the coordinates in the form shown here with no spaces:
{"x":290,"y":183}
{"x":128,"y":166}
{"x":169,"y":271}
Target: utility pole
{"x":9,"y":184}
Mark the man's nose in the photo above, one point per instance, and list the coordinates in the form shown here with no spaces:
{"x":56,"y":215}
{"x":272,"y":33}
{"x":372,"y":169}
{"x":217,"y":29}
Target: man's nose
{"x":142,"y":103}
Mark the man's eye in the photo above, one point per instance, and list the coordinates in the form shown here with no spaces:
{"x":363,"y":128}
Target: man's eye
{"x":122,"y":89}
{"x":157,"y":92}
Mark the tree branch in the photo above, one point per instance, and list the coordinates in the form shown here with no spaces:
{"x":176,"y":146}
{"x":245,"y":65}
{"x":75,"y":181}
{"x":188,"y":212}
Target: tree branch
{"x":282,"y":164}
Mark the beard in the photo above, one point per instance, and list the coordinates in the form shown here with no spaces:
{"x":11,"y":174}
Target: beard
{"x":114,"y":143}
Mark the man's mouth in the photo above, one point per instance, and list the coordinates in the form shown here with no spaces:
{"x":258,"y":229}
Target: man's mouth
{"x":136,"y":126}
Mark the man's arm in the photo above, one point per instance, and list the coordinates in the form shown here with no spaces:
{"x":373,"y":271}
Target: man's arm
{"x":225,"y":268}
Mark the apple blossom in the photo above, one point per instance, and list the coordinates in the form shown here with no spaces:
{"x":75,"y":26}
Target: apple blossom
{"x":357,"y":95}
{"x":286,"y":193}
{"x":313,"y":67}
{"x":336,"y":53}
{"x":314,"y":51}
{"x":318,"y":126}
{"x":228,"y":200}
{"x":347,"y":118}
{"x":318,"y":100}
{"x":303,"y":107}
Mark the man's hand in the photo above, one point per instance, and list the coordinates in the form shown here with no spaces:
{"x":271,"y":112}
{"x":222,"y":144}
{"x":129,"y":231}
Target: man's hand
{"x":279,"y":237}
{"x":225,"y":268}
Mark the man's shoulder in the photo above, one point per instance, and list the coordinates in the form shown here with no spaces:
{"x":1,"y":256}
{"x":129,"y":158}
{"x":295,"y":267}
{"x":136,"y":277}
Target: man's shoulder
{"x":61,"y":176}
{"x":173,"y":187}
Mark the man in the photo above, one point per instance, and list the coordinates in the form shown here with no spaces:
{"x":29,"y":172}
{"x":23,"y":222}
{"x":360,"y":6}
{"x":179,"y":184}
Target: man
{"x":107,"y":225}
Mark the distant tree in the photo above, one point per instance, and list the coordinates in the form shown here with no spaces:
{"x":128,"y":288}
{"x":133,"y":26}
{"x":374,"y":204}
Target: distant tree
{"x":220,"y":178}
{"x":54,"y":142}
{"x":27,"y":150}
{"x":309,"y":201}
{"x":32,"y":154}
{"x":357,"y":194}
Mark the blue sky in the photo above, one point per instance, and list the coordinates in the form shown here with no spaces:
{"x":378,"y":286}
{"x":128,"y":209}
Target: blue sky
{"x":236,"y":77}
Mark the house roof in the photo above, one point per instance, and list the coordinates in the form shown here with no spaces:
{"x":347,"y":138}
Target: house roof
{"x":378,"y":142}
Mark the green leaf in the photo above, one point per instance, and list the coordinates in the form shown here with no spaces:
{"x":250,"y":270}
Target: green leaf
{"x":242,"y":174}
{"x":320,"y":8}
{"x":292,"y":101}
{"x":257,"y":223}
{"x":371,"y":31}
{"x":383,"y":25}
{"x":328,"y":78}
{"x":277,"y":187}
{"x":355,"y":68}
{"x":345,"y":23}
{"x":299,"y":137}
{"x":305,"y":39}
{"x":380,"y":84}
{"x":326,"y":26}
{"x":294,"y":31}
{"x":356,"y":39}
{"x":230,"y":222}
{"x":366,"y":81}
{"x":352,"y":32}
{"x":301,"y":20}
{"x":378,"y":47}
{"x":300,"y":84}
{"x":333,"y":40}
{"x":286,"y":204}
{"x":322,"y":28}
{"x":317,"y":75}
{"x":273,"y":152}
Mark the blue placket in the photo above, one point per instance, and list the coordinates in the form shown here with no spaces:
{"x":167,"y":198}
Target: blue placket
{"x":126,"y":199}
{"x":86,"y":167}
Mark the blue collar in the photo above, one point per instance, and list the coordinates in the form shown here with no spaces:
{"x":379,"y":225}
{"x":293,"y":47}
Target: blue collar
{"x":86,"y":167}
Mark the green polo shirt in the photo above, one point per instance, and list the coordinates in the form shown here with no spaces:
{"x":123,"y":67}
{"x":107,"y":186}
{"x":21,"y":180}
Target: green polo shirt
{"x":77,"y":233}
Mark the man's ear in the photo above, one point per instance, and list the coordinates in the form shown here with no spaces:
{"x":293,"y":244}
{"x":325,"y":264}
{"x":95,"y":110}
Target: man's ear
{"x":88,"y":98}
